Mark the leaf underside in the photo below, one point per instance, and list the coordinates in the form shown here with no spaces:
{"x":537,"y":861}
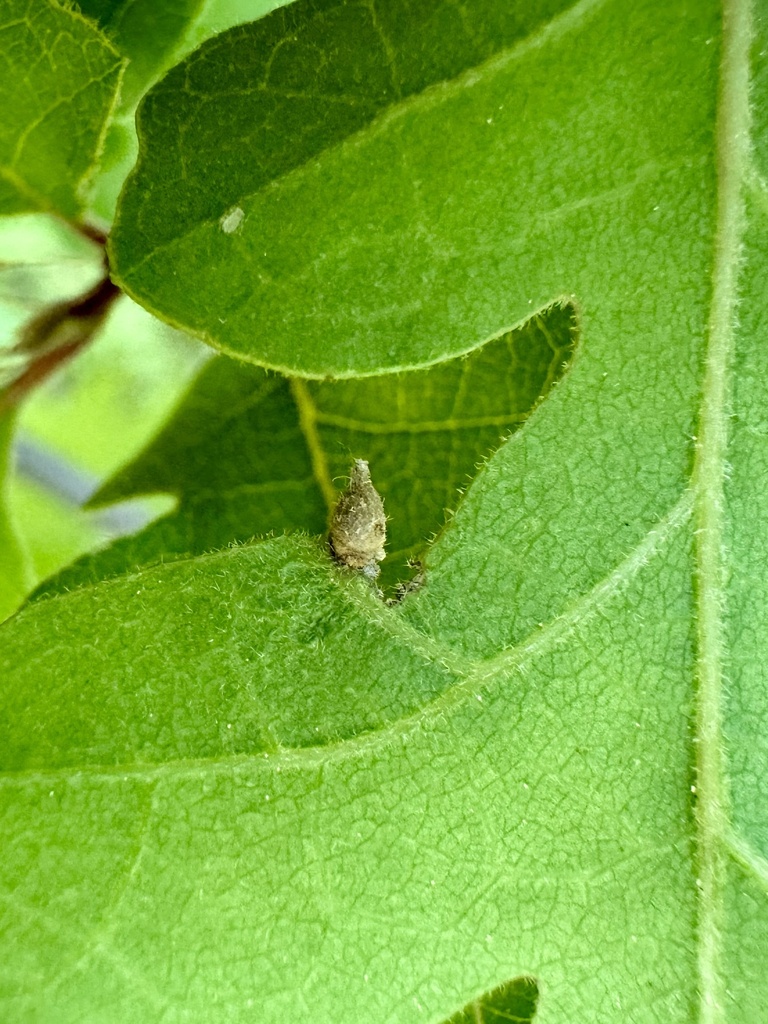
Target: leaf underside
{"x":249,"y":453}
{"x":59,"y":78}
{"x":239,"y":784}
{"x":513,"y":1002}
{"x":334,"y":293}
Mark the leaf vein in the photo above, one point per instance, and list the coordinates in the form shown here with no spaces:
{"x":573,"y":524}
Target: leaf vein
{"x":713,"y":804}
{"x":472,"y":675}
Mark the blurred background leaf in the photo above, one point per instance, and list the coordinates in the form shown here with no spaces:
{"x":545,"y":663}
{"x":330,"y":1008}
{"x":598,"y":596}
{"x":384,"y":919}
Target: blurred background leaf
{"x":96,"y":412}
{"x":15,"y":571}
{"x":59,"y":78}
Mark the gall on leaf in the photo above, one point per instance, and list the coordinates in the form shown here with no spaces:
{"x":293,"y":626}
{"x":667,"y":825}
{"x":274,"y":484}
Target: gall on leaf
{"x":358,"y":524}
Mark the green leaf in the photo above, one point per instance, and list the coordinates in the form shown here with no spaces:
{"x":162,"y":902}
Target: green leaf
{"x":550,"y":760}
{"x":355,"y":279}
{"x":146,"y":32}
{"x":15,"y":571}
{"x":249,"y":453}
{"x":150,"y":35}
{"x":513,"y":1002}
{"x":59,"y":78}
{"x":218,"y":15}
{"x":461,"y":820}
{"x":743,"y":687}
{"x":330,"y":623}
{"x":153,"y":36}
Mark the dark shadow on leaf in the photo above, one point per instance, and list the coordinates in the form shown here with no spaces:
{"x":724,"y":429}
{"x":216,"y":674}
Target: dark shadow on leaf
{"x":514,"y":1002}
{"x":248,"y":453}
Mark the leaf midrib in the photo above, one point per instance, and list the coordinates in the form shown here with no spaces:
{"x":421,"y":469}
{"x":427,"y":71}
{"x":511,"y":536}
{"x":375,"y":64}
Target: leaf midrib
{"x":712,"y":809}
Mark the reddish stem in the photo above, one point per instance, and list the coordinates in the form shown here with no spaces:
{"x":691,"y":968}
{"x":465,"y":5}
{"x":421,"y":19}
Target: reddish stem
{"x":82,"y":317}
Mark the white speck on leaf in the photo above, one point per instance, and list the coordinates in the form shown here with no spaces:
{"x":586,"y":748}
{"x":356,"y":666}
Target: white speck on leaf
{"x":232,"y":220}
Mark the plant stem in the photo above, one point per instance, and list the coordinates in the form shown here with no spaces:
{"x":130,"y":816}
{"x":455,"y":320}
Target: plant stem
{"x":55,"y":335}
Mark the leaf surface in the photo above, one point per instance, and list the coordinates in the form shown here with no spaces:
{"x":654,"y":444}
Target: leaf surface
{"x":539,"y":770}
{"x":350,"y":87}
{"x":145,"y":32}
{"x":407,"y":826}
{"x":218,"y":15}
{"x":152,"y":36}
{"x":59,"y":78}
{"x":744,"y":694}
{"x":249,"y":453}
{"x":149,"y":35}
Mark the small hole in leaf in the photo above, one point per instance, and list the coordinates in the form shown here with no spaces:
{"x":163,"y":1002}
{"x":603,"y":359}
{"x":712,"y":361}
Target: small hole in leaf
{"x":514,"y":1002}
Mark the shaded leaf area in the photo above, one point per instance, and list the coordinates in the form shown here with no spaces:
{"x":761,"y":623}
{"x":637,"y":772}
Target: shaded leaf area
{"x":245,"y":459}
{"x":425,"y":433}
{"x":149,"y":34}
{"x":514,"y":1002}
{"x":235,"y":455}
{"x":15,"y":570}
{"x":146,"y":32}
{"x":325,"y":71}
{"x":58,"y":82}
{"x":218,"y":15}
{"x":153,"y":36}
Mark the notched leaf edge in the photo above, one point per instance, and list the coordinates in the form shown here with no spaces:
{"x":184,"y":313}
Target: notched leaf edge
{"x":513,"y":1002}
{"x":332,"y":418}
